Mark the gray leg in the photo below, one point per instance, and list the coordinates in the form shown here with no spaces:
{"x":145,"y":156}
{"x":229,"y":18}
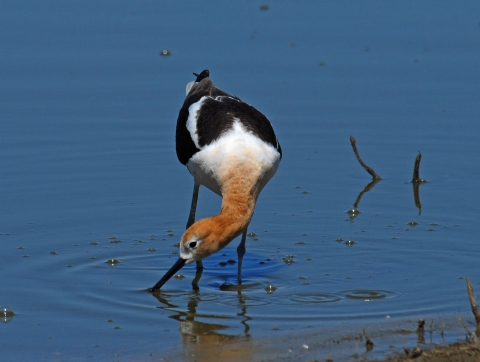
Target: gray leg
{"x":191,"y":220}
{"x":193,"y":208}
{"x":241,"y":252}
{"x":198,"y":275}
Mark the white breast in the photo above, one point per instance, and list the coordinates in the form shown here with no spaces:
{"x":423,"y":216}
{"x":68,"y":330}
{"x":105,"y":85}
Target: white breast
{"x":237,"y":146}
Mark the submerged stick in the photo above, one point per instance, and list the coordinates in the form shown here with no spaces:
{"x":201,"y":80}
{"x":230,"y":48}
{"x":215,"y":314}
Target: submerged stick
{"x":473,"y":302}
{"x":370,"y":170}
{"x":416,"y":178}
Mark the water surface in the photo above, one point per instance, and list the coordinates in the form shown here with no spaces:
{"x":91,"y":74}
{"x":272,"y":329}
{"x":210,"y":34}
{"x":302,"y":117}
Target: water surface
{"x":89,"y":174}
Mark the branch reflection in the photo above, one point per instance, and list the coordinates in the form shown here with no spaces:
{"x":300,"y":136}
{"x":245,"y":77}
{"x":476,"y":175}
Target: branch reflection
{"x":354,"y":211}
{"x":416,"y":195}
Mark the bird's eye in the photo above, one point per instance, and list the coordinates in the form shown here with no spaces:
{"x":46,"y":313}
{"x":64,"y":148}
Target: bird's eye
{"x":192,"y":244}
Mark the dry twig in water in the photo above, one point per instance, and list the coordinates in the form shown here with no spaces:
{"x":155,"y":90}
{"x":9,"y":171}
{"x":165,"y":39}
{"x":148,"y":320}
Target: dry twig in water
{"x":369,"y":343}
{"x":370,"y":170}
{"x":414,"y":353}
{"x":469,"y":336}
{"x":416,"y":177}
{"x":473,"y":303}
{"x":421,"y":331}
{"x":416,"y":182}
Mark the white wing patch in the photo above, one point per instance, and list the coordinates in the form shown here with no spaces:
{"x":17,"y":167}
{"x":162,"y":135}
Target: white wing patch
{"x":189,"y":86}
{"x":192,"y":120}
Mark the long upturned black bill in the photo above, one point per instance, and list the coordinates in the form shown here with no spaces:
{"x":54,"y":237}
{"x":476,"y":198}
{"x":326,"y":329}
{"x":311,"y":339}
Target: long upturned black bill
{"x":175,"y":268}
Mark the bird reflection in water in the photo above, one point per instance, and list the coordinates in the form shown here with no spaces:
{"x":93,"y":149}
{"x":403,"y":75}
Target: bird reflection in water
{"x":205,"y":341}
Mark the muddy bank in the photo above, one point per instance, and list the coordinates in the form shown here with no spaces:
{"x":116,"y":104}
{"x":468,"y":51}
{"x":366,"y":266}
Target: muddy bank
{"x":455,"y":352}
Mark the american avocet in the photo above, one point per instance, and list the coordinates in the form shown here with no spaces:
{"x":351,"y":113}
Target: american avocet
{"x":229,"y":147}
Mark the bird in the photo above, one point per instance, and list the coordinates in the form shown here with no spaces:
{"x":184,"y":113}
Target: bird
{"x":231,"y":148}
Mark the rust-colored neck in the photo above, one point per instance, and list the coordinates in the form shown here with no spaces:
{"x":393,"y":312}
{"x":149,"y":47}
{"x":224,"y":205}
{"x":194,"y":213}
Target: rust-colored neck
{"x":239,"y":191}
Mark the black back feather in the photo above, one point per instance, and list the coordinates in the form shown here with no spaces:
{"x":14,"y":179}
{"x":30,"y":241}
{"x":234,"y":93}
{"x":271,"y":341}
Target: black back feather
{"x":216,"y":116}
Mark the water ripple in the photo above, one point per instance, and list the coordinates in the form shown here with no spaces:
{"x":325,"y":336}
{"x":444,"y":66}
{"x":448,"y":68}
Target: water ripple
{"x":367,"y":295}
{"x":312,"y":298}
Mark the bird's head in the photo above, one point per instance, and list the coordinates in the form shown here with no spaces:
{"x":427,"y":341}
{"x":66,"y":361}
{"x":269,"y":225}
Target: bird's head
{"x":198,"y":242}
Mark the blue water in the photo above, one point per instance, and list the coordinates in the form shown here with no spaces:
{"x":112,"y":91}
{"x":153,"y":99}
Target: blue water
{"x":87,"y":156}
